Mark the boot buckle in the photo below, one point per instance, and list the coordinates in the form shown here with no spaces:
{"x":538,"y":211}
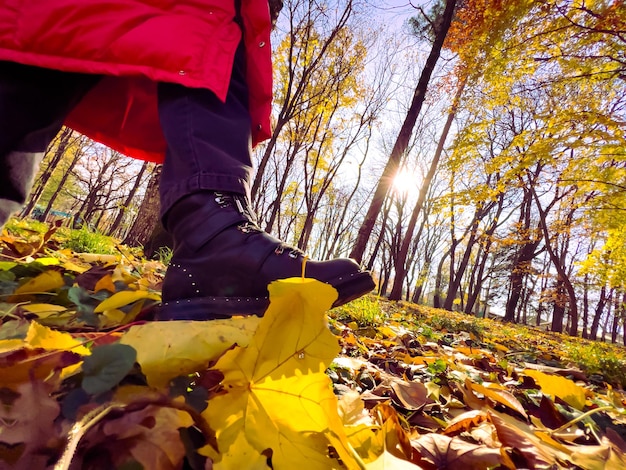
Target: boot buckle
{"x":246,"y":227}
{"x":221,"y":200}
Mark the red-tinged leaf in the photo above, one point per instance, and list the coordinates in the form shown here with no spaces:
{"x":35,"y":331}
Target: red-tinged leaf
{"x":20,"y":248}
{"x":147,"y":434}
{"x":445,"y":452}
{"x":397,"y":439}
{"x":549,"y":414}
{"x":615,"y":439}
{"x":465,"y":422}
{"x":25,"y":364}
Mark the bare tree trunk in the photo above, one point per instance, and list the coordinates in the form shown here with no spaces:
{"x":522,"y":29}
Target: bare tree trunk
{"x":585,"y":306}
{"x":618,"y":314}
{"x":148,"y":215}
{"x":400,"y":262}
{"x":63,"y":141}
{"x":404,"y":135}
{"x":126,"y":204}
{"x":438,"y":281}
{"x":595,"y":322}
{"x":479,"y":268}
{"x":66,"y":175}
{"x":558,"y":311}
{"x":556,"y":262}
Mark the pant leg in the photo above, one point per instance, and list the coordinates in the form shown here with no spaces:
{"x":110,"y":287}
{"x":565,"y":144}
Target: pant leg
{"x":33,"y":105}
{"x":209,"y":142}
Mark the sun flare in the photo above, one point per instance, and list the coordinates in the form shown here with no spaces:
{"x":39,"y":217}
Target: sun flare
{"x":405,"y":182}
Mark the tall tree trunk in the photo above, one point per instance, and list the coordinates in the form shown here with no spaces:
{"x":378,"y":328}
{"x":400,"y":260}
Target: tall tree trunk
{"x":63,"y":141}
{"x":439,"y":280}
{"x":556,"y":262}
{"x":57,"y":191}
{"x":595,"y":322}
{"x":525,"y":254}
{"x":478,"y":275}
{"x":148,"y":215}
{"x":585,"y":306}
{"x":381,"y":237}
{"x":404,"y":135}
{"x":122,"y":211}
{"x":618,"y":314}
{"x":558,"y":311}
{"x":401,"y":259}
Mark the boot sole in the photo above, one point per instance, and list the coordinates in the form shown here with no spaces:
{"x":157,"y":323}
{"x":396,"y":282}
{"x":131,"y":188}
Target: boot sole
{"x":214,"y":308}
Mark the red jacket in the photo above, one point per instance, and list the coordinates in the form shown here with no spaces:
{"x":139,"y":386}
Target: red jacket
{"x":136,"y":43}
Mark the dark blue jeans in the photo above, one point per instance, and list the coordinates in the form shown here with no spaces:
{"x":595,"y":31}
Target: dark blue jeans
{"x":208,"y":142}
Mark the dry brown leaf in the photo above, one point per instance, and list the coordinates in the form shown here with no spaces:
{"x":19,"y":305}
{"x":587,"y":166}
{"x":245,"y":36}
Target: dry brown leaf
{"x":465,"y":422}
{"x":499,"y":396}
{"x":603,"y":457}
{"x":445,"y":452}
{"x":410,"y":395}
{"x":531,"y":448}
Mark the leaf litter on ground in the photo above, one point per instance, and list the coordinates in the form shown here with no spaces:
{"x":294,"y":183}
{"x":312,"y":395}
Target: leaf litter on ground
{"x":88,"y":381}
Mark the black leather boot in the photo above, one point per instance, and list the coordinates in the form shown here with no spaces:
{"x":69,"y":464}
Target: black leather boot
{"x":223,"y":262}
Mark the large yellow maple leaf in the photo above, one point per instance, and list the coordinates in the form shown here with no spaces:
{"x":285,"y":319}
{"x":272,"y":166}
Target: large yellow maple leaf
{"x":277,"y":398}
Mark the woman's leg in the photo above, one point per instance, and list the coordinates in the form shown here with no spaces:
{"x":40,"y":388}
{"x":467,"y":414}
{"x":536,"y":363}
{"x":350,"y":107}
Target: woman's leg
{"x":33,"y":105}
{"x":209,"y":142}
{"x":222,"y":261}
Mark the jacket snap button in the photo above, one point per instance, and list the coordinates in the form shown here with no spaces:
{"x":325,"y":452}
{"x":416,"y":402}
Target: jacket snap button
{"x":262,"y":43}
{"x":182,"y":72}
{"x":259,"y":127}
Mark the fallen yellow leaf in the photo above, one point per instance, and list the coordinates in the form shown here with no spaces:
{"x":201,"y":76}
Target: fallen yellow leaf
{"x":39,"y":336}
{"x":277,"y":393}
{"x":558,"y":386}
{"x":168,"y":349}
{"x":121,"y":299}
{"x":105,"y":283}
{"x":44,"y":310}
{"x":44,"y":282}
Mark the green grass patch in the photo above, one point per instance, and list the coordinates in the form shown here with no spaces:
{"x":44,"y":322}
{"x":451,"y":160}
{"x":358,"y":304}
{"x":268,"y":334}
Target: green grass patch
{"x":26,"y":227}
{"x":84,"y":240}
{"x":365,"y":311}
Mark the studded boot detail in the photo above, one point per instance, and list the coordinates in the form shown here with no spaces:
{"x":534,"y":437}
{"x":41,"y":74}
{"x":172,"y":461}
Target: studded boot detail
{"x":223,"y":262}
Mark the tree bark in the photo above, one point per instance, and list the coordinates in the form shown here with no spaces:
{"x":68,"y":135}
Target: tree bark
{"x":63,"y":141}
{"x":148,"y":215}
{"x":595,"y":322}
{"x":66,"y":175}
{"x":126,"y":204}
{"x":562,"y":276}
